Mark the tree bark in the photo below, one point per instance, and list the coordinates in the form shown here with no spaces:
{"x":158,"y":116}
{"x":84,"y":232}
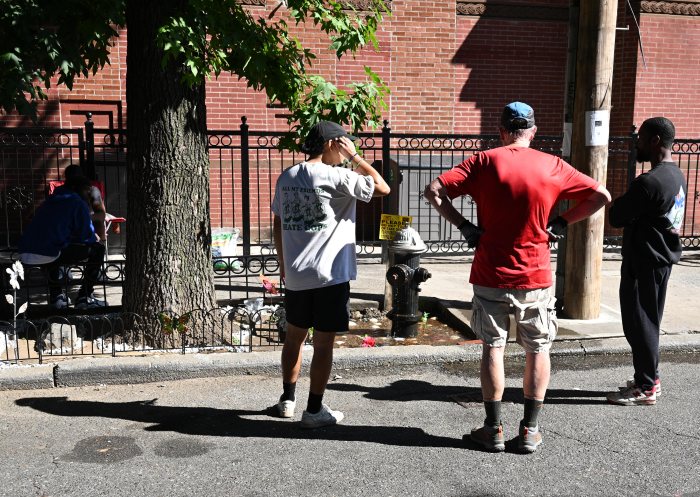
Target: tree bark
{"x":168,"y":253}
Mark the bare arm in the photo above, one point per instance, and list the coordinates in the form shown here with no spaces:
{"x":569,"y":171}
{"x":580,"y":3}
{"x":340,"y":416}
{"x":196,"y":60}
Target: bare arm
{"x":436,"y":194}
{"x":99,"y":214}
{"x":277,"y":235}
{"x":587,"y":207}
{"x":361,"y":166}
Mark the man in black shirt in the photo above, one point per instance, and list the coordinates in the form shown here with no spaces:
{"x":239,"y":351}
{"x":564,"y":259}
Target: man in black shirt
{"x":651,"y":213}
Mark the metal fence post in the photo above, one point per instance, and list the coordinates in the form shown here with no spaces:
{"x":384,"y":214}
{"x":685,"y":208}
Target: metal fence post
{"x":632,"y":157}
{"x":386,"y":140}
{"x":391,"y":172}
{"x":89,"y":168}
{"x":390,"y":204}
{"x":245,"y":184}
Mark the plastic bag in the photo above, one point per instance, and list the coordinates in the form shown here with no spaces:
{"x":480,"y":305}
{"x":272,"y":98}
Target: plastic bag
{"x":224,"y":242}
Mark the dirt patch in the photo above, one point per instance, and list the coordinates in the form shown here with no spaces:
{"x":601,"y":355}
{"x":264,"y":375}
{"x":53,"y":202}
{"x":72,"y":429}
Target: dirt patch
{"x":376,"y":332}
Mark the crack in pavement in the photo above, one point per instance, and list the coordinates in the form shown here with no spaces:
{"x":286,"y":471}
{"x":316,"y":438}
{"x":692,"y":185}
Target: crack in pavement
{"x":668,"y":429}
{"x":582,"y":442}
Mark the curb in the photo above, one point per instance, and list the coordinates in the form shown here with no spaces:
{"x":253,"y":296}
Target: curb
{"x":169,"y":367}
{"x":27,"y":377}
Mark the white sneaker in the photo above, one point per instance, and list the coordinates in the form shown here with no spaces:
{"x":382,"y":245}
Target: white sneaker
{"x":633,"y":396}
{"x":89,"y":303}
{"x":657,"y":384}
{"x":324,"y":417}
{"x":61,"y":301}
{"x":286,"y":408}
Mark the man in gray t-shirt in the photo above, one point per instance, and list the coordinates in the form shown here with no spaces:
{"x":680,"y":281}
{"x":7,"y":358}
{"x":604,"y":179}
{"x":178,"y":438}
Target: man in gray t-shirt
{"x":314,"y":229}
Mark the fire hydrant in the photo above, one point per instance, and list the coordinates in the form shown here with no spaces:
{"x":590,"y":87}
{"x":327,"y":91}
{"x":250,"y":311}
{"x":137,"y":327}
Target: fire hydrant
{"x":405,"y":276}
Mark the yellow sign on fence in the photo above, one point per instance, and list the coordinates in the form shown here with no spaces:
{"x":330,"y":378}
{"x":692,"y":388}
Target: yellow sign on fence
{"x":391,"y":223}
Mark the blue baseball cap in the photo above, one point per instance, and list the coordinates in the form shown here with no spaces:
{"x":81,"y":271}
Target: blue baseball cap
{"x":517,"y":115}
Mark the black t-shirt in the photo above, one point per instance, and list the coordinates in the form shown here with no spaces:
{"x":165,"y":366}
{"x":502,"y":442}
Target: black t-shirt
{"x":651,"y":213}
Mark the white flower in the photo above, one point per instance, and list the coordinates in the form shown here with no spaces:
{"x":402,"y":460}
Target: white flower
{"x":13,"y":282}
{"x":18,"y":269}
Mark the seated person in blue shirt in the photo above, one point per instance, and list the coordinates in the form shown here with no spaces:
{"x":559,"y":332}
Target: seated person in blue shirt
{"x":98,"y":213}
{"x":61,"y":233}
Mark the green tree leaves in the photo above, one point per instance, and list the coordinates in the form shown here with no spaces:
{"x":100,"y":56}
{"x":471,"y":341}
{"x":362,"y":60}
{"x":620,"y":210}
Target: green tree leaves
{"x":43,"y":38}
{"x":40,"y":39}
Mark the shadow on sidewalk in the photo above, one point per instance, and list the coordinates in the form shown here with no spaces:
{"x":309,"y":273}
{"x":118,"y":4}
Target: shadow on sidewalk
{"x":232,"y":422}
{"x":416,"y":390}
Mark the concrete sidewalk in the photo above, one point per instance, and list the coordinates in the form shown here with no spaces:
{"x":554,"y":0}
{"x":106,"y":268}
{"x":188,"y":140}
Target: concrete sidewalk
{"x":447,"y":292}
{"x":449,"y":286}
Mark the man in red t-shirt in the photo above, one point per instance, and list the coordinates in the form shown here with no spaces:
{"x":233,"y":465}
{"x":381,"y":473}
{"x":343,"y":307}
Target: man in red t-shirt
{"x":515,"y":189}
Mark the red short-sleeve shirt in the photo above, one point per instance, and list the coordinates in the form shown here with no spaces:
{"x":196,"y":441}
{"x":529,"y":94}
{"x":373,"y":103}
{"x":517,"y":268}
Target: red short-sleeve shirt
{"x":515,"y":189}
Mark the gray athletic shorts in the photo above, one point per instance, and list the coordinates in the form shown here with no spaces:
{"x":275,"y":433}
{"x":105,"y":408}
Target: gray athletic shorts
{"x":535,"y":316}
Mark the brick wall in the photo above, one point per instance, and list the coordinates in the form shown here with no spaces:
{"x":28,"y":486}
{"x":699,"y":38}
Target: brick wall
{"x":502,"y":60}
{"x":624,"y":73}
{"x":670,"y":84}
{"x":448,"y":72}
{"x":422,"y":75}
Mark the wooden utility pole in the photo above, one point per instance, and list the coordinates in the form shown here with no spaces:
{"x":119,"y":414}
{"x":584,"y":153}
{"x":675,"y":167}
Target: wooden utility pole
{"x":570,"y":87}
{"x":594,"y":69}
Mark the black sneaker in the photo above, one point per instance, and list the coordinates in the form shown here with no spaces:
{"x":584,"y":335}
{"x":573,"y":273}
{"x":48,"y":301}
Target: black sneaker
{"x":61,"y":301}
{"x":89,"y":303}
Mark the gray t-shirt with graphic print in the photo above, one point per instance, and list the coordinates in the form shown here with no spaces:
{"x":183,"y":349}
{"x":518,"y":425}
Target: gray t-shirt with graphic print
{"x":316,"y":205}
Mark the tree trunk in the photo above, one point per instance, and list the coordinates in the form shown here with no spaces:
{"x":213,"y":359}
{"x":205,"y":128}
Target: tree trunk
{"x":168,"y":254}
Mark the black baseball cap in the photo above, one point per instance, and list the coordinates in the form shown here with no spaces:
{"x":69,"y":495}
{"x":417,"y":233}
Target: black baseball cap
{"x":517,"y":115}
{"x":321,"y":133}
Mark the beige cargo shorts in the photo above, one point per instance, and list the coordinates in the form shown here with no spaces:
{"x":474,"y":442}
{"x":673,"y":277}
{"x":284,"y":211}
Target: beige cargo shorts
{"x":533,"y":310}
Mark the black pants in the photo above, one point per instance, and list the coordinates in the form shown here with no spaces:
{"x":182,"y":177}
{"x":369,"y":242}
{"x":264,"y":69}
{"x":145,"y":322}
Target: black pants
{"x":642,"y":298}
{"x":92,"y":255}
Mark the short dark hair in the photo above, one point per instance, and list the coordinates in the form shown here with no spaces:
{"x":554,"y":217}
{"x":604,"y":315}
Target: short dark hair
{"x":78,"y":183}
{"x":661,"y":127}
{"x":313,"y":146}
{"x":517,"y":134}
{"x":72,"y":171}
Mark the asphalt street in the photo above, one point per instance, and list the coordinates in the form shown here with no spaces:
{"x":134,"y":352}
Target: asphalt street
{"x":402,"y":436}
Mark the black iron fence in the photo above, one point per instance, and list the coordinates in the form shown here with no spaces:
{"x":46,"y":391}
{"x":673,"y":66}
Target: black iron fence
{"x":245,"y":164}
{"x":236,"y":279}
{"x":254,"y":323}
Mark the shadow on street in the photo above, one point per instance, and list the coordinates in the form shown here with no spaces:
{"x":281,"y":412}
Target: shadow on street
{"x":232,"y":422}
{"x":416,"y":390}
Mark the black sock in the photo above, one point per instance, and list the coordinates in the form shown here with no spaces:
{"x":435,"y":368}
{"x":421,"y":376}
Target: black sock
{"x":314,"y":404}
{"x":493,"y":413}
{"x":289,"y":391}
{"x":532,"y":410}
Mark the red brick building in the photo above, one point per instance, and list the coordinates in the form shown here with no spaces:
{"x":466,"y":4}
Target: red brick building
{"x":451,"y":65}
